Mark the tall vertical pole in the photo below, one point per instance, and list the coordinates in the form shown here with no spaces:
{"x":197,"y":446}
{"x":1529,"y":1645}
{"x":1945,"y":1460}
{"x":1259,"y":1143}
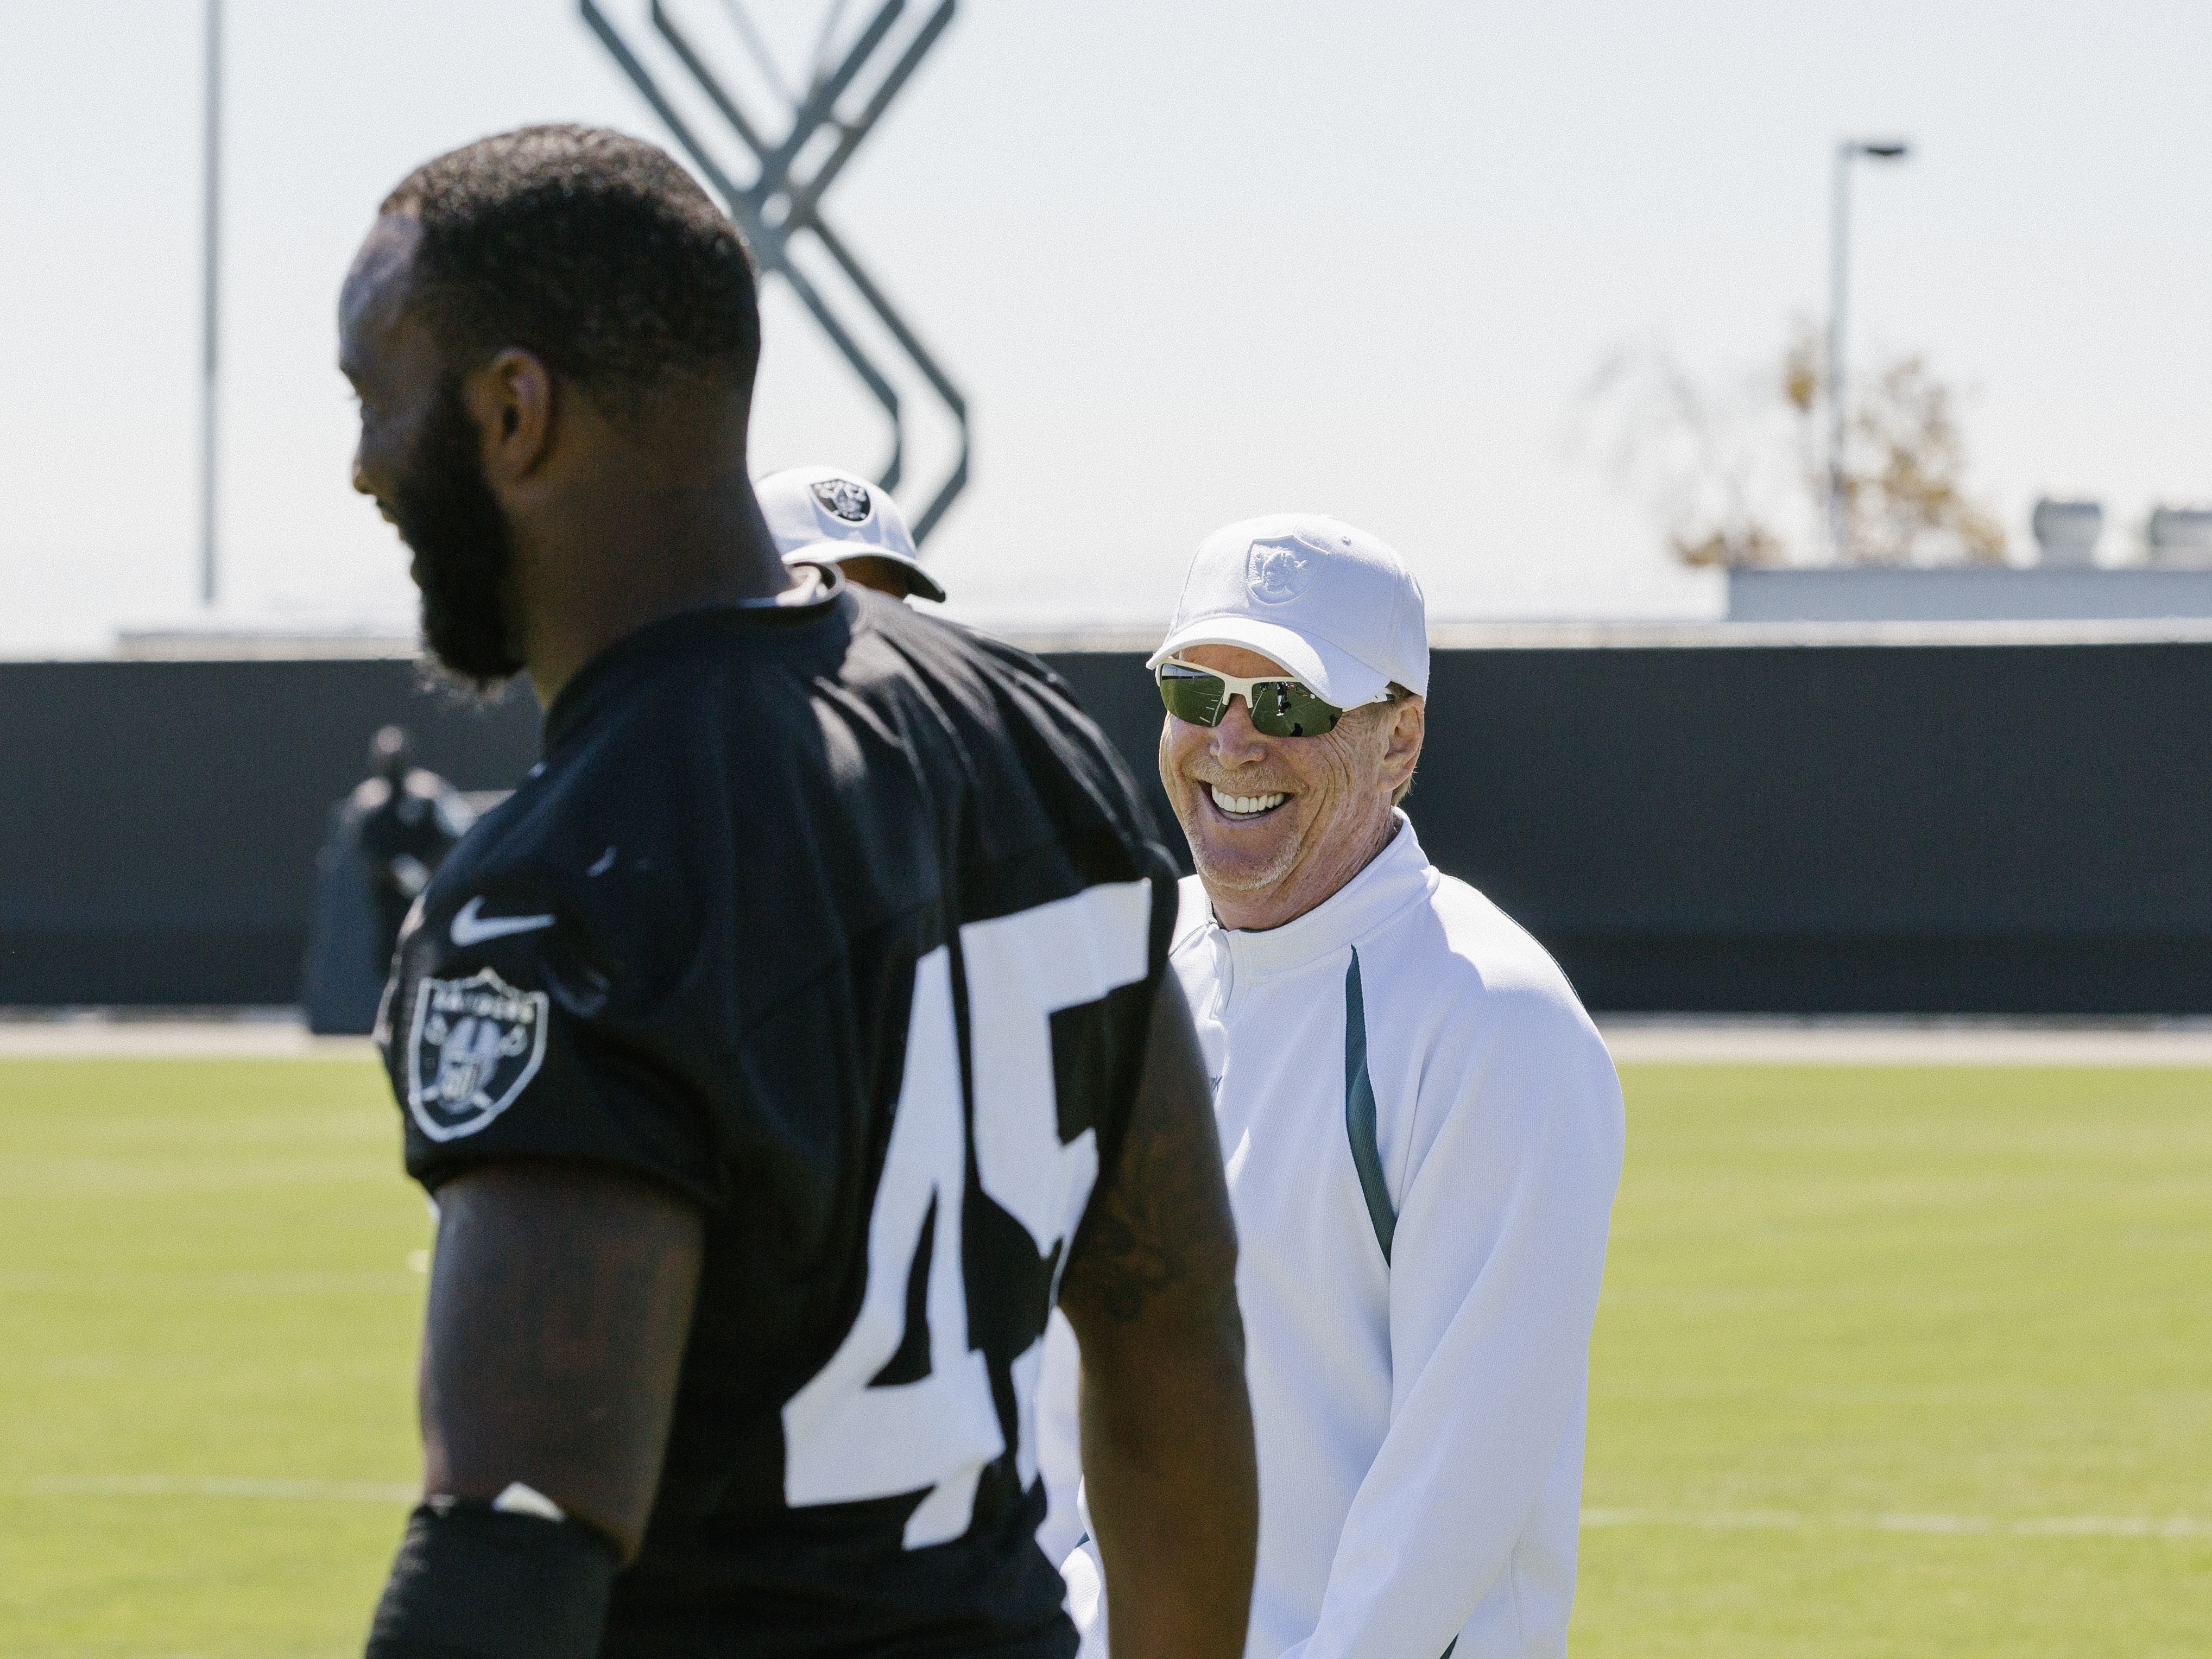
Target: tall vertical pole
{"x":1839,"y":237}
{"x":210,"y":276}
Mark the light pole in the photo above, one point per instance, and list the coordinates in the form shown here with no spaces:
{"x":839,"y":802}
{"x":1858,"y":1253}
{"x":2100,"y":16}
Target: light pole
{"x":1839,"y":267}
{"x":211,"y":273}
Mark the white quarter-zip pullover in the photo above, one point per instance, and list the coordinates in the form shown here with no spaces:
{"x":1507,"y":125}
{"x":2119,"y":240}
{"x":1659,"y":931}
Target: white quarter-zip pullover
{"x":1423,"y":1133}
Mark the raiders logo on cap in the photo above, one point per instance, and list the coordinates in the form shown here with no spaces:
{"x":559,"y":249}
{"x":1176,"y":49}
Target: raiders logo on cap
{"x":474,"y":1045}
{"x":1280,"y":567}
{"x":847,"y":500}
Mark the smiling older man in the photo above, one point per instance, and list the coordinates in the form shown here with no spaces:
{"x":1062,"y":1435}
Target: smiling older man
{"x":1422,"y":1128}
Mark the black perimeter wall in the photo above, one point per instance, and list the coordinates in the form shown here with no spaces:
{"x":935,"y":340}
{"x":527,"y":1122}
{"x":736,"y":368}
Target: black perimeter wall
{"x":1987,"y":829}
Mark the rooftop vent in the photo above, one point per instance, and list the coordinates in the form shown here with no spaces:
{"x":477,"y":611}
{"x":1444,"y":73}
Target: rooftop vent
{"x":2066,"y":532}
{"x":2181,"y":535}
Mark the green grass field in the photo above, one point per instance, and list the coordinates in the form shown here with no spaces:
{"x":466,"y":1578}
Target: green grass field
{"x":203,"y":1279}
{"x":1891,"y":1362}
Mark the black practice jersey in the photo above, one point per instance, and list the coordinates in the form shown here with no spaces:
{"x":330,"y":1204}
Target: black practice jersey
{"x":845,"y":923}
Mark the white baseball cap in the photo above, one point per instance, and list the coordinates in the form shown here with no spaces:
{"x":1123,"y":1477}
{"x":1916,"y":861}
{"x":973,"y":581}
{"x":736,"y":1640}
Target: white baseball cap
{"x":1331,"y":604}
{"x":824,"y":516}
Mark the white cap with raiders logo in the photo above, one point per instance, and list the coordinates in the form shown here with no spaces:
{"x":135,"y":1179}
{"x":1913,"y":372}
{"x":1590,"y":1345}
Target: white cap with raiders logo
{"x":1328,"y":602}
{"x":824,"y":516}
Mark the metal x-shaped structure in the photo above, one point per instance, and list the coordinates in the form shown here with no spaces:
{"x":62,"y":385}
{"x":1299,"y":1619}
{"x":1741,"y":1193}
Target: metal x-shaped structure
{"x":778,"y":206}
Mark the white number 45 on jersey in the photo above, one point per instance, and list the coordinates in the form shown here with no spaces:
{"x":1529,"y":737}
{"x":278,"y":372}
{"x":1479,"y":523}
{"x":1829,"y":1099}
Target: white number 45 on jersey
{"x":845,"y":1441}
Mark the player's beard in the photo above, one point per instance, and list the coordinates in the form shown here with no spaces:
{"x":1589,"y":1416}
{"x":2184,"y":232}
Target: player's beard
{"x":463,"y":549}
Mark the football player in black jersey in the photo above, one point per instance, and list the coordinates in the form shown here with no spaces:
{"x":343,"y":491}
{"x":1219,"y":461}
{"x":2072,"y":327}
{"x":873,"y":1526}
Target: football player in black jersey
{"x":787,"y":1043}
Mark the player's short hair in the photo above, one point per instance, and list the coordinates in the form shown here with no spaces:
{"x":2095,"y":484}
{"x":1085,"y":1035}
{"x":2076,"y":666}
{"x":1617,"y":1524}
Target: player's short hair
{"x":593,"y":251}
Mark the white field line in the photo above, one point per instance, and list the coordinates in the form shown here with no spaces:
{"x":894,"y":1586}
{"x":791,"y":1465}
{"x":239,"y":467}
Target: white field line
{"x":1745,"y":1040}
{"x":1638,"y":1040}
{"x":93,"y":1037}
{"x":376,"y":1491}
{"x":2064,"y":1526}
{"x":172,"y":1485}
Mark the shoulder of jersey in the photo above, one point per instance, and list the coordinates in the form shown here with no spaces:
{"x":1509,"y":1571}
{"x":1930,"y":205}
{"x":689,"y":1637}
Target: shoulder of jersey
{"x":605,"y":855}
{"x":1485,"y":953}
{"x":973,"y":644}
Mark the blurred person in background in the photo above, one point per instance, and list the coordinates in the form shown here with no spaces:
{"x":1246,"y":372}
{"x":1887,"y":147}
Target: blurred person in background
{"x":1424,"y":1131}
{"x":387,"y":839}
{"x":410,"y":819}
{"x":739,"y":1282}
{"x":824,"y":516}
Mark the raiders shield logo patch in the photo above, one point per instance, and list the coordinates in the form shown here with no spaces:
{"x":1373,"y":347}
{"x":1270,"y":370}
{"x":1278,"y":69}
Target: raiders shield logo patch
{"x":474,"y":1045}
{"x":1280,"y":567}
{"x":847,"y":500}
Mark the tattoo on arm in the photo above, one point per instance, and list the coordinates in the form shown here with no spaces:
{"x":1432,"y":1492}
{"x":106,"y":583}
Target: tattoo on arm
{"x":1167,"y":1427}
{"x":1158,"y":1228}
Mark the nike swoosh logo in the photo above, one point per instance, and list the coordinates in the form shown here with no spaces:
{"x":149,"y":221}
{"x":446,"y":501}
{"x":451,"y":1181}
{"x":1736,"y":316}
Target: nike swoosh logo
{"x":469,"y":928}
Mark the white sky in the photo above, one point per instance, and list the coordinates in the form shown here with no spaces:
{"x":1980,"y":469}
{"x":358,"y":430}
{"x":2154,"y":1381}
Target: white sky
{"x":1189,"y":262}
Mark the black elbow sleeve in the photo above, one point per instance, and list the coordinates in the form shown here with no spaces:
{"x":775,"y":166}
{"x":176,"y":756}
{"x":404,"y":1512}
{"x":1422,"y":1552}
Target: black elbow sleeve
{"x":471,"y":1583}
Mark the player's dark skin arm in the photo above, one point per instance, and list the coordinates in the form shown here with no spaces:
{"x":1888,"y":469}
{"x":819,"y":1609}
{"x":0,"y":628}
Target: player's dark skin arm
{"x":1151,"y":1289}
{"x":559,"y":1306}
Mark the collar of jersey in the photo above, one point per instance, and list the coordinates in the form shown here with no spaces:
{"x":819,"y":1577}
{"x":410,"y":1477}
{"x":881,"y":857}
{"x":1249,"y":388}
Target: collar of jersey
{"x":674,"y":637}
{"x":1400,"y":875}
